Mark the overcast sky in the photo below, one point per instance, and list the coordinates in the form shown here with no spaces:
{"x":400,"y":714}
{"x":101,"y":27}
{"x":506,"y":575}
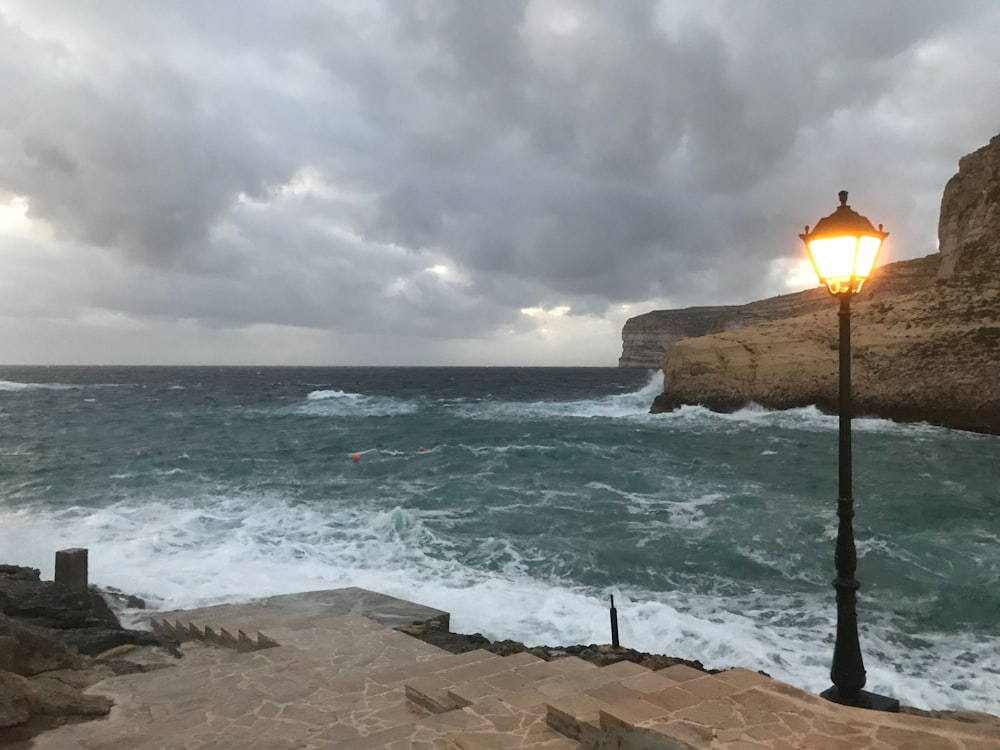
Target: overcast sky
{"x":453,"y":181}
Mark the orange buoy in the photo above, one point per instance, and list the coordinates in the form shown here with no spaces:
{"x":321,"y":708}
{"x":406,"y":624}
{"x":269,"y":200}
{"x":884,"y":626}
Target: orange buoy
{"x":356,"y":457}
{"x":421,"y":449}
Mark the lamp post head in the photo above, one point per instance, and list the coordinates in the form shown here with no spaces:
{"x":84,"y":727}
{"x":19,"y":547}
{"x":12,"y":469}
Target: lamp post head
{"x":843,"y":248}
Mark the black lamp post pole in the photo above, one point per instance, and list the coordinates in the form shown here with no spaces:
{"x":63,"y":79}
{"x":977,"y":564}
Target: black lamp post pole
{"x":848,"y":669}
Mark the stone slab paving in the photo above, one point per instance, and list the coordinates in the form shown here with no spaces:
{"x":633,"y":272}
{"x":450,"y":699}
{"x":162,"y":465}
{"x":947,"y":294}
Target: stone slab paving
{"x":341,"y":677}
{"x":744,"y":710}
{"x":332,"y":682}
{"x":308,"y":608}
{"x":275,"y":698}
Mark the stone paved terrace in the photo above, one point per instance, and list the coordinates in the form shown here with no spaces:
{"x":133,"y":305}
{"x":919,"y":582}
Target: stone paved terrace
{"x":319,"y":670}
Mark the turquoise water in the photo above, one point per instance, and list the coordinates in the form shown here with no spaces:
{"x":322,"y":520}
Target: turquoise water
{"x":537,"y":494}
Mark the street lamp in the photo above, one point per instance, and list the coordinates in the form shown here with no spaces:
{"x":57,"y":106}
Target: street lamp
{"x":843,"y":247}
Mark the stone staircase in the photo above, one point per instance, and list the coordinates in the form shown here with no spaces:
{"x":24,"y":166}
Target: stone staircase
{"x":622,"y":705}
{"x":324,"y":681}
{"x":190,"y":631}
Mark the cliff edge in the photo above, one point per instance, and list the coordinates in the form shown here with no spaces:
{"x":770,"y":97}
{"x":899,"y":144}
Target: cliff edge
{"x":646,"y":338}
{"x":926,"y":332}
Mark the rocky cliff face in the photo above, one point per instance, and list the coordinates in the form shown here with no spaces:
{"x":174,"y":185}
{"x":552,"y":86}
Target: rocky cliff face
{"x":645,"y":338}
{"x":926,"y":333}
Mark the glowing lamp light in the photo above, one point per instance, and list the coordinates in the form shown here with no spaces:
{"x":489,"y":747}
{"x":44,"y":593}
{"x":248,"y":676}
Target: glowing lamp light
{"x":843,"y":248}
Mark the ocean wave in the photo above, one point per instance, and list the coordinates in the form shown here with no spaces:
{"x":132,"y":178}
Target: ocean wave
{"x":322,"y":403}
{"x":126,"y":475}
{"x":12,"y":385}
{"x":630,"y":404}
{"x":322,"y":395}
{"x":214,"y":549}
{"x":804,"y":418}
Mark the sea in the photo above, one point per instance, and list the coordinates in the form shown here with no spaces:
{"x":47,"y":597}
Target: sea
{"x":520,"y":500}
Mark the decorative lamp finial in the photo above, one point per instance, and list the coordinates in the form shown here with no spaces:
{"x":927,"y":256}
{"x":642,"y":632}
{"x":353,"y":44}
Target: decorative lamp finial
{"x":843,"y":197}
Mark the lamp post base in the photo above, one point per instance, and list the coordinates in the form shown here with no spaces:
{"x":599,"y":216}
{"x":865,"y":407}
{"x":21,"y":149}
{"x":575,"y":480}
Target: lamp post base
{"x":863,"y":699}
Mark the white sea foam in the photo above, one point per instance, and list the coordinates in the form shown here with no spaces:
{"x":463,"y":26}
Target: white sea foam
{"x":12,"y":385}
{"x":326,"y":403}
{"x":806,"y":418}
{"x":228,"y":548}
{"x":633,"y":405}
{"x":628,"y":405}
{"x":686,"y":514}
{"x":326,"y":394}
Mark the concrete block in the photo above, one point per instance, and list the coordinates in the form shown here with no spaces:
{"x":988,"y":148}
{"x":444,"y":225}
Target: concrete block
{"x":71,"y":568}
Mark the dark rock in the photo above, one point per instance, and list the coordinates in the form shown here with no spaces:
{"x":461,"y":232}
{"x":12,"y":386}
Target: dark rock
{"x":20,"y":573}
{"x":93,"y":641}
{"x":48,"y":634}
{"x":13,"y":699}
{"x":78,"y":620}
{"x":28,"y":650}
{"x":119,"y":600}
{"x":51,"y":605}
{"x":601,"y":655}
{"x":667,"y":402}
{"x":51,"y":697}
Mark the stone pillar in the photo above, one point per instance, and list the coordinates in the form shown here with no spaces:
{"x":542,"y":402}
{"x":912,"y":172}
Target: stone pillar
{"x":71,"y":568}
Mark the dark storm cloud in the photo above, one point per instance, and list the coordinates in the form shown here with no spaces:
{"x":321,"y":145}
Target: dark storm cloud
{"x":130,"y":153}
{"x":430,"y":168}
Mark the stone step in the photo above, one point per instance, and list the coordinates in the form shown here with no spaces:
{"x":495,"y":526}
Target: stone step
{"x":743,"y":709}
{"x":236,"y":639}
{"x":527,"y":726}
{"x":568,"y":678}
{"x":515,"y":693}
{"x":431,"y":691}
{"x":350,"y":642}
{"x":491,"y":724}
{"x":577,"y":717}
{"x":446,"y":661}
{"x":573,"y":698}
{"x":376,"y":701}
{"x":616,"y":708}
{"x":515,"y":675}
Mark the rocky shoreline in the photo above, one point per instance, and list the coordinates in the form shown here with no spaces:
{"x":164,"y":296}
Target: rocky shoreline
{"x":599,"y":654}
{"x":55,"y":642}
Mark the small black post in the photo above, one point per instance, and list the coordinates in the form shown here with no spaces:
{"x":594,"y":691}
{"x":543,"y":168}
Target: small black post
{"x":614,"y":623}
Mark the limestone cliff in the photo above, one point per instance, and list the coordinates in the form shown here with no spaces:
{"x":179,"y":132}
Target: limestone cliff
{"x":926,"y":333}
{"x":645,"y":338}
